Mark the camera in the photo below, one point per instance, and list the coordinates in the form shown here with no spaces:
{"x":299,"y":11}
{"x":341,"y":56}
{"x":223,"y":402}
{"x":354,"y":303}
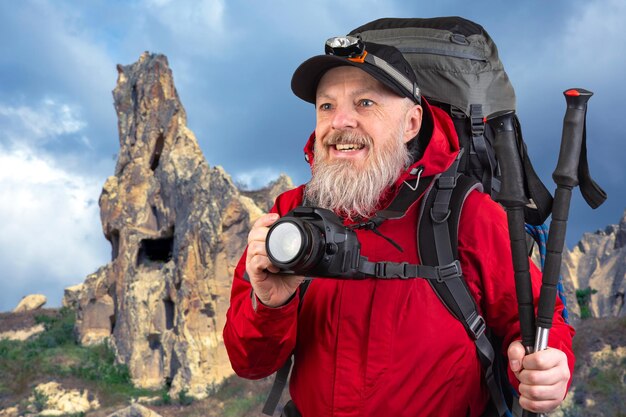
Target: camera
{"x":313,"y":242}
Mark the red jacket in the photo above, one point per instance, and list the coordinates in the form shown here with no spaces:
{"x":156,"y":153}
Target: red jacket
{"x":388,"y":347}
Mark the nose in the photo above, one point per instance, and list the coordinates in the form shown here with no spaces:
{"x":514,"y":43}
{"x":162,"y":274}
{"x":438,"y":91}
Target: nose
{"x":344,"y":117}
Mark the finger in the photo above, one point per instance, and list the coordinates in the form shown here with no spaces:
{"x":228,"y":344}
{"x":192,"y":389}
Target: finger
{"x":516,"y":354}
{"x":257,"y":267}
{"x":256,"y":248}
{"x":552,"y":376}
{"x":258,"y":233}
{"x":538,"y":406}
{"x":542,"y":392}
{"x":544,"y":359}
{"x":266,"y":220}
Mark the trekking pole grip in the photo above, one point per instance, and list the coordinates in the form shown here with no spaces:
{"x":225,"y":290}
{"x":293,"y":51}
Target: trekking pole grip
{"x":513,"y":197}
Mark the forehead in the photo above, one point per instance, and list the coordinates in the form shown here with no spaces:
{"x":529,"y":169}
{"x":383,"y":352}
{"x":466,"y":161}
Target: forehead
{"x":351,"y":78}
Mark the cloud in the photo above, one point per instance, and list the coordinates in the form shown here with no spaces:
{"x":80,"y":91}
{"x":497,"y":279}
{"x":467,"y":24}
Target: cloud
{"x":43,"y":121}
{"x":50,"y":231}
{"x":592,"y":42}
{"x":198,"y":25}
{"x":256,"y":178}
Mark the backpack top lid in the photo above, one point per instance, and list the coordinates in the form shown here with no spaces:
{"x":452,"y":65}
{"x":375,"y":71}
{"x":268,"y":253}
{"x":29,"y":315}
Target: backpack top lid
{"x":455,"y":60}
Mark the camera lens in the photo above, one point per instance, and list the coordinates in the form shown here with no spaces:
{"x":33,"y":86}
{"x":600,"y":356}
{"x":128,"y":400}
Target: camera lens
{"x":285,"y":242}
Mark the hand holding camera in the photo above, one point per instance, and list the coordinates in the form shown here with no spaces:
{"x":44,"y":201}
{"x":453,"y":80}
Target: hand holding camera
{"x":272,"y":289}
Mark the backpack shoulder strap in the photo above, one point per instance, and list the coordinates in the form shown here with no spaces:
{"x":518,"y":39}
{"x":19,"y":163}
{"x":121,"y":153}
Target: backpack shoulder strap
{"x":438,"y":223}
{"x":282,"y":375}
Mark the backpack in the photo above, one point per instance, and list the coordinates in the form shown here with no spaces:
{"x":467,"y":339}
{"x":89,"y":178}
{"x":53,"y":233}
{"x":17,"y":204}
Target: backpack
{"x":460,"y":72}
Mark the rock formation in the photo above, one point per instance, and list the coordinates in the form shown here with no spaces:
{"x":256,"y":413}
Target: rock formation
{"x":31,"y":302}
{"x":177,"y":229}
{"x":265,"y":197}
{"x":598,"y":262}
{"x":51,"y":399}
{"x":135,"y":410}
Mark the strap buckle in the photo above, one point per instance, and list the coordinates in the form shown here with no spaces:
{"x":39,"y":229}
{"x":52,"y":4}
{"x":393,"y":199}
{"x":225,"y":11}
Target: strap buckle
{"x":446,"y":182}
{"x":449,"y":271}
{"x":477,"y":326}
{"x":391,"y":270}
{"x":477,"y":121}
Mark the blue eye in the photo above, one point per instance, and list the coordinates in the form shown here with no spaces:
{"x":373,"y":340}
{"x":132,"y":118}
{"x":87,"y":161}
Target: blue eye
{"x":366,"y":102}
{"x":325,"y":106}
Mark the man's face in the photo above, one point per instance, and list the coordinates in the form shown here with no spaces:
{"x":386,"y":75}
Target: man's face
{"x":350,"y":100}
{"x":360,"y":148}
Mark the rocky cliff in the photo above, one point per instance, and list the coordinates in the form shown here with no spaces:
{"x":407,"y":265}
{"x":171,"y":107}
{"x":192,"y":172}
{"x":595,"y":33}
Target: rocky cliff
{"x":177,"y":228}
{"x":598,"y":262}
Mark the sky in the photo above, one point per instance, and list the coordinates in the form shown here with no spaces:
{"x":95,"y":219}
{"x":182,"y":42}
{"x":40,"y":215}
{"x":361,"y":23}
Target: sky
{"x":232,"y":63}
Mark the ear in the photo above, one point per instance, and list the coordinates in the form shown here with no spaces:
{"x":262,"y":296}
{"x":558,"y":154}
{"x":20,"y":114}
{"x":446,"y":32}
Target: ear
{"x":413,"y":122}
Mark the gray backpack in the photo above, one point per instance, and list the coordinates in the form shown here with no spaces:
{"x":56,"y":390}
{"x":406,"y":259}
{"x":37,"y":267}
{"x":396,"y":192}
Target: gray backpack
{"x":459,"y":70}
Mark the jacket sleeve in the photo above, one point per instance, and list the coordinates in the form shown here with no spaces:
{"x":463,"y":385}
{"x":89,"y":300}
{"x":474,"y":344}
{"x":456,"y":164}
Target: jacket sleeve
{"x":485,"y":255}
{"x":258,"y":339}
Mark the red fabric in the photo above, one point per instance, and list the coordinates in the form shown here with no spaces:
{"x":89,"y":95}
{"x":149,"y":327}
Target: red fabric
{"x":388,"y":347}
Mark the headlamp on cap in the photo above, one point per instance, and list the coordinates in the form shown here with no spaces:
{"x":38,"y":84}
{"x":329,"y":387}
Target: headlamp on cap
{"x":345,"y":46}
{"x":353,"y":49}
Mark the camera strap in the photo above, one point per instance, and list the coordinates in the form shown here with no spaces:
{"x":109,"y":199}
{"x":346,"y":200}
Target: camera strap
{"x":405,"y":270}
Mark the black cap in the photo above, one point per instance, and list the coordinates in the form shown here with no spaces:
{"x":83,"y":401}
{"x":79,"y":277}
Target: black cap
{"x":383,"y":62}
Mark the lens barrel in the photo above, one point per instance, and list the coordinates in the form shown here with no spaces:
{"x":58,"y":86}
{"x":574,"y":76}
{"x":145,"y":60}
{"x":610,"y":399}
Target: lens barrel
{"x":295,"y":245}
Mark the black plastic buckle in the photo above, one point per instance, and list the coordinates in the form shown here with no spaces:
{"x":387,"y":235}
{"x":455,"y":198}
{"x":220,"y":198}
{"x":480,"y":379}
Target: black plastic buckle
{"x":391,"y":270}
{"x":449,"y":271}
{"x":446,"y":182}
{"x":477,"y":120}
{"x":477,"y":326}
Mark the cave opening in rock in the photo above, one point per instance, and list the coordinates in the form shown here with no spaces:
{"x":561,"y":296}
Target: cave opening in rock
{"x":115,"y":244}
{"x":155,"y":251}
{"x":169,"y":314}
{"x":158,"y":150}
{"x":154,"y":342}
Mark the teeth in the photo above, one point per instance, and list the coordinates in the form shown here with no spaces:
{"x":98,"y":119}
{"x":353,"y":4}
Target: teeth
{"x":348,"y":147}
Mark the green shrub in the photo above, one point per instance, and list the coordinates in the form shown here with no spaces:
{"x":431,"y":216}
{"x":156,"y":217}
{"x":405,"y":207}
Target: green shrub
{"x":59,"y":329}
{"x":583,"y":297}
{"x":99,"y":364}
{"x":41,"y":400}
{"x":184,"y":398}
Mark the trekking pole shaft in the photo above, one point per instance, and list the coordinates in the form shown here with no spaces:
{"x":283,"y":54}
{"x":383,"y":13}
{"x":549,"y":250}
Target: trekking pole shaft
{"x":513,"y":198}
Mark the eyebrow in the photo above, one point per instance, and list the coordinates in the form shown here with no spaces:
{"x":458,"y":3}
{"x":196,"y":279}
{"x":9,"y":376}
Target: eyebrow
{"x":359,"y":92}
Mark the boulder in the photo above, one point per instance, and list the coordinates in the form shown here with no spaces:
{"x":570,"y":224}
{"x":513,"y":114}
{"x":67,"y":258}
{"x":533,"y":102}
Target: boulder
{"x":51,"y":399}
{"x":71,"y":296}
{"x":31,"y":302}
{"x":135,"y":410}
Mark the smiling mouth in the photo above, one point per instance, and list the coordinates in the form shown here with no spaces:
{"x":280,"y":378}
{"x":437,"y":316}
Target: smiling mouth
{"x":346,"y":147}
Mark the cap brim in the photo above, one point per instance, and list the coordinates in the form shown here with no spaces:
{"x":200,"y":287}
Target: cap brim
{"x":308,"y":75}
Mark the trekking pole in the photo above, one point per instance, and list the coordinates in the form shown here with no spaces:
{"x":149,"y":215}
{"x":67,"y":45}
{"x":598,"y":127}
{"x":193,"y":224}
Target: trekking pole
{"x":513,"y":198}
{"x":566,"y":178}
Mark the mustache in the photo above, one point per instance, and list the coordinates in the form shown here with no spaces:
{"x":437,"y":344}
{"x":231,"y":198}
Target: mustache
{"x":342,"y":138}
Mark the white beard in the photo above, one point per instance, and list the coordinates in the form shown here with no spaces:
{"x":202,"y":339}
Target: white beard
{"x":352,"y":188}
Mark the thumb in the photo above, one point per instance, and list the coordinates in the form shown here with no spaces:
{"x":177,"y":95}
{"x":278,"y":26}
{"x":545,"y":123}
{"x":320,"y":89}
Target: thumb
{"x":516,"y":353}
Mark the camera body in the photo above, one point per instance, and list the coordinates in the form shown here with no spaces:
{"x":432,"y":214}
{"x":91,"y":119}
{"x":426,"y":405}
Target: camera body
{"x":313,"y":242}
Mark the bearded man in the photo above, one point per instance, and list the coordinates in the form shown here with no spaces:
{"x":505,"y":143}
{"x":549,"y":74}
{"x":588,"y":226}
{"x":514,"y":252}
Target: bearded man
{"x":373,"y":347}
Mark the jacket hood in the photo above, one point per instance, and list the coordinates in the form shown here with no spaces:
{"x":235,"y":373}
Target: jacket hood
{"x":437,"y":135}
